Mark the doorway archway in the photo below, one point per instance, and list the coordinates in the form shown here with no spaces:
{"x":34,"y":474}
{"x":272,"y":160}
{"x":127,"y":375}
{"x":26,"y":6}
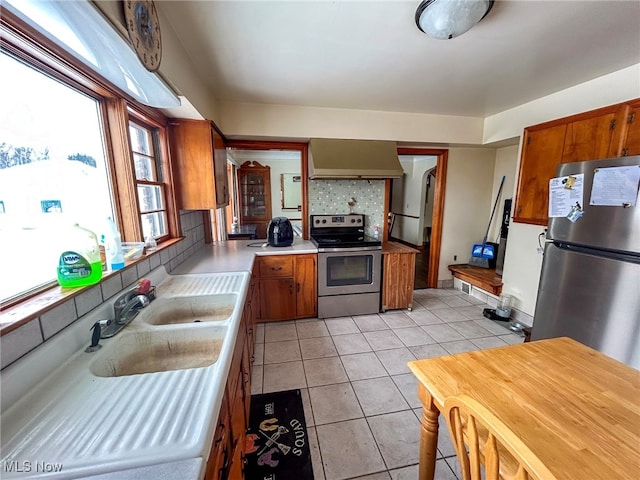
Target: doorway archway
{"x":438,"y":207}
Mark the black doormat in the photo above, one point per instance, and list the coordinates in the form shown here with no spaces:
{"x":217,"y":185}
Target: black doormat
{"x":277,"y":445}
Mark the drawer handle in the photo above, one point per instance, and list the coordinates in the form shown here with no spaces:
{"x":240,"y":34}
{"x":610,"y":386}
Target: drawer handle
{"x":274,"y":268}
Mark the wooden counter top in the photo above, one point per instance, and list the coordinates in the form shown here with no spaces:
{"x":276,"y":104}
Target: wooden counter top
{"x":395,"y":247}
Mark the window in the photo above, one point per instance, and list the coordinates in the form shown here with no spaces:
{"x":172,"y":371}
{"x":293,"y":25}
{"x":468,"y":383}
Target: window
{"x":149,"y":180}
{"x":53,"y":173}
{"x":73,"y":149}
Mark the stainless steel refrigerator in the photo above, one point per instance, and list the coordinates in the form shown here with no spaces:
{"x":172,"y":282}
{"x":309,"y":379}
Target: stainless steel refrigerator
{"x":590,"y":280}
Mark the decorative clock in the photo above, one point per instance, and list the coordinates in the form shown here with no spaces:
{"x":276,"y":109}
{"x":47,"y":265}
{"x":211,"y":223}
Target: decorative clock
{"x":144,"y":31}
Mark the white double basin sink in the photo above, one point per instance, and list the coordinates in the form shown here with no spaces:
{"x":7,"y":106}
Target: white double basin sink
{"x":192,"y":337}
{"x":150,"y":395}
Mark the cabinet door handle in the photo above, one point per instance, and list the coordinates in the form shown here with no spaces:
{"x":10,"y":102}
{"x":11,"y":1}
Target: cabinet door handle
{"x":298,"y":287}
{"x":219,"y":439}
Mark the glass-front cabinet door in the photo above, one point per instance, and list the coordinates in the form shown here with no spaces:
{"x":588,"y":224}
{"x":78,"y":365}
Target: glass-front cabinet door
{"x":254,"y":182}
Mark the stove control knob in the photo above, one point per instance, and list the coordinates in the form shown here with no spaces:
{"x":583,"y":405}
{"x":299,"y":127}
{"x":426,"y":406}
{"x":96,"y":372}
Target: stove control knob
{"x":353,"y":220}
{"x":324,"y":220}
{"x":317,"y":220}
{"x":359,"y":220}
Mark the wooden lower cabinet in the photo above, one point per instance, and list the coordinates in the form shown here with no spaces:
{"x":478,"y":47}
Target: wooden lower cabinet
{"x":306,"y":267}
{"x":277,"y":299}
{"x":288,"y":286}
{"x":398,"y":276}
{"x":226,"y":460}
{"x":218,"y":458}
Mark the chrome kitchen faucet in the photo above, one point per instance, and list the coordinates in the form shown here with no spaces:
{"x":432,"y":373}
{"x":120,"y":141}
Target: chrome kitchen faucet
{"x":125,"y":309}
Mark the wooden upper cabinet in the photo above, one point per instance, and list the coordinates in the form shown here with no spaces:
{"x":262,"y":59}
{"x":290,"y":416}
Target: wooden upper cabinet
{"x":220,"y":169}
{"x":589,"y":139}
{"x":607,"y":132}
{"x":541,"y":153}
{"x":631,"y":137}
{"x":193,"y":145}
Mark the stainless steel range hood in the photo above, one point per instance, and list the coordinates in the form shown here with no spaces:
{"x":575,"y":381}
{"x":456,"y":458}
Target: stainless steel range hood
{"x":333,"y":158}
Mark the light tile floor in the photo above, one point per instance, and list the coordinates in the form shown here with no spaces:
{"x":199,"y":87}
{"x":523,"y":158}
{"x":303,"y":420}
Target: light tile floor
{"x":360,"y":398}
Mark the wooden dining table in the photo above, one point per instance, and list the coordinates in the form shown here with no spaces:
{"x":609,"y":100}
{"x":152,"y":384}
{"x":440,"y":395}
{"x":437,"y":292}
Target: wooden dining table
{"x":576,"y":409}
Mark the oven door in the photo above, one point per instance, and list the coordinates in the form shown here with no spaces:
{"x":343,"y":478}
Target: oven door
{"x":342,"y":272}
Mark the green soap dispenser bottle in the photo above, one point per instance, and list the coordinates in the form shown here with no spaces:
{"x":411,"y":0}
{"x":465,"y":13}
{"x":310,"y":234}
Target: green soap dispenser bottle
{"x":80,"y":262}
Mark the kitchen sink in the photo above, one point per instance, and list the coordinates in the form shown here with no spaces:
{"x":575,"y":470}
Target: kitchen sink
{"x":143,"y":351}
{"x":201,"y":308}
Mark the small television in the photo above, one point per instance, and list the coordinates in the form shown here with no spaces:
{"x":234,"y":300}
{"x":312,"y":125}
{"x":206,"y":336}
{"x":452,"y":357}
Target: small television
{"x":484,"y":255}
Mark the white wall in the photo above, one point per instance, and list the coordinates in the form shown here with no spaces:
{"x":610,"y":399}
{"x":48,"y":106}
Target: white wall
{"x":506,"y":165}
{"x":296,"y":122}
{"x":522,"y":266}
{"x":428,"y":206}
{"x":409,"y":195}
{"x":467,"y":206}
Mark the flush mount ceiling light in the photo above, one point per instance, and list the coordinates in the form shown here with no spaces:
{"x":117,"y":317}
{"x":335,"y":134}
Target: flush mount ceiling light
{"x":446,"y":19}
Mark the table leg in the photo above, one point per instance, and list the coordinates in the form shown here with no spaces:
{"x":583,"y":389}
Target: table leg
{"x":428,"y":435}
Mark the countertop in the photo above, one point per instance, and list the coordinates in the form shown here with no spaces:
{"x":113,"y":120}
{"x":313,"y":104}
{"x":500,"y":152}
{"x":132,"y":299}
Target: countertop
{"x":237,"y":255}
{"x":395,"y":247}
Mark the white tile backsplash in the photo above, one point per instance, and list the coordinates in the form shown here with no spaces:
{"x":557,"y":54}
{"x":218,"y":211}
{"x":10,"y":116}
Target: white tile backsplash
{"x":20,"y":341}
{"x":129,"y":276}
{"x":88,"y":300}
{"x":331,"y":197}
{"x":111,"y":286}
{"x":57,"y":318}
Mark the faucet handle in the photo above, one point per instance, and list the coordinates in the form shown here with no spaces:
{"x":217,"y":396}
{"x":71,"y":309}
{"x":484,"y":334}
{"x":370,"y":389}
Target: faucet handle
{"x":95,"y":336}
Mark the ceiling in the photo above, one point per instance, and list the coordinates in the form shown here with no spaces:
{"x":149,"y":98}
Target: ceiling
{"x":370,"y":55}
